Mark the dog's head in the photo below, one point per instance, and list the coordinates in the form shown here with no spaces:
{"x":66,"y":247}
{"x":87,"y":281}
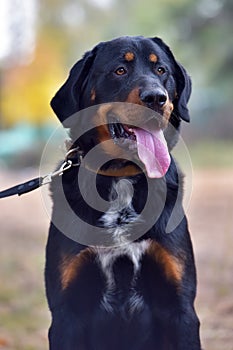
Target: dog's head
{"x":137,"y":70}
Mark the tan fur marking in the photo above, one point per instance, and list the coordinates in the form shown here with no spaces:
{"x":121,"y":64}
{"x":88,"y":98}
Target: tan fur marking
{"x":71,"y":266}
{"x":133,"y":97}
{"x":153,"y":58}
{"x":109,"y":148}
{"x":103,"y":132}
{"x":129,"y":56}
{"x":172,"y":267}
{"x":100,"y":117}
{"x":100,"y":121}
{"x":93,"y":95}
{"x":129,"y":170}
{"x":167,"y":110}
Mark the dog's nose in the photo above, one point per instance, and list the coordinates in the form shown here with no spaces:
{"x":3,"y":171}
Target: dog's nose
{"x":153,"y":98}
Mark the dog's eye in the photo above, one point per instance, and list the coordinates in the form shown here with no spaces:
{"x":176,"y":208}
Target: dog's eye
{"x":121,"y":71}
{"x":161,"y":70}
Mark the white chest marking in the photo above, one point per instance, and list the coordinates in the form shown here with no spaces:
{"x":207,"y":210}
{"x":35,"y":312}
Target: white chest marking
{"x":107,"y":256}
{"x":120,"y":219}
{"x":134,"y":251}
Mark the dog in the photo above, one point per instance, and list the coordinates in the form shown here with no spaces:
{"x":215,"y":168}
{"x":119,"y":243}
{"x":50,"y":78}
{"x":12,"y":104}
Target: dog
{"x":132,"y":285}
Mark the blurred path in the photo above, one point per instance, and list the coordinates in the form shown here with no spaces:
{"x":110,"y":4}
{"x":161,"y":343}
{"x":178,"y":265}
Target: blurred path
{"x":211,"y":225}
{"x":24,"y":224}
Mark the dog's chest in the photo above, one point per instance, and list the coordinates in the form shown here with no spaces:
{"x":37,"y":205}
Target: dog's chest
{"x":119,"y":221}
{"x":121,"y":267}
{"x":108,"y":257}
{"x":121,"y":263}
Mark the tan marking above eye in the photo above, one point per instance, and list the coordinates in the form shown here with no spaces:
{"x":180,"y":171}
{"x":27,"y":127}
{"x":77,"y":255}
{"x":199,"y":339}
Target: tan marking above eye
{"x":153,"y":58}
{"x":129,"y":56}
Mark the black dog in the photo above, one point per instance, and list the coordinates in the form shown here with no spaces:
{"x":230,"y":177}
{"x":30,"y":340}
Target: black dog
{"x":136,"y":290}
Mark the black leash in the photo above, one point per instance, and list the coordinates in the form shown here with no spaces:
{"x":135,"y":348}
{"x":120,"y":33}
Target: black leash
{"x":22,"y":188}
{"x":33,"y":184}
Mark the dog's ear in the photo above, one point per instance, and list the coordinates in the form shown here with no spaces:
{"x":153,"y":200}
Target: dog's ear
{"x":183,"y":84}
{"x":67,"y":100}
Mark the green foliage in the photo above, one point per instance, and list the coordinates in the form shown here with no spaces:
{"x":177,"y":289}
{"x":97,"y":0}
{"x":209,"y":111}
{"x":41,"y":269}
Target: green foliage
{"x":211,"y":154}
{"x":199,"y":32}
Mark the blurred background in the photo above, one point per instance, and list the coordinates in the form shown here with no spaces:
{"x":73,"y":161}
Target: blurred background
{"x":40,"y":41}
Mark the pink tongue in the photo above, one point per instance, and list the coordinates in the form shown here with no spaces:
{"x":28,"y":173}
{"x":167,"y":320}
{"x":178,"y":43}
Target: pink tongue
{"x":153,"y":152}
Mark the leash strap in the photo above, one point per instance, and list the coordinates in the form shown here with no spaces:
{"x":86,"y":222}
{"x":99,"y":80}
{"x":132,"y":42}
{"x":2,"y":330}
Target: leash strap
{"x":22,"y":188}
{"x":33,"y":184}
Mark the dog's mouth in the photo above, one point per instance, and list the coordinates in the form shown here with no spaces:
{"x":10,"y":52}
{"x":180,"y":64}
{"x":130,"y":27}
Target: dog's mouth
{"x":148,"y":142}
{"x":120,"y":133}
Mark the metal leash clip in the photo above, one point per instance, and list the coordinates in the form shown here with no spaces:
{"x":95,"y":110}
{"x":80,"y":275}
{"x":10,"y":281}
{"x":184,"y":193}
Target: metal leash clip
{"x":33,"y":184}
{"x":64,"y":167}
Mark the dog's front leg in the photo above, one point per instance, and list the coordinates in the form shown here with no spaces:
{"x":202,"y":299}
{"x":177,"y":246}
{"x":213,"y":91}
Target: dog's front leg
{"x":185,"y":330}
{"x":66,"y":332}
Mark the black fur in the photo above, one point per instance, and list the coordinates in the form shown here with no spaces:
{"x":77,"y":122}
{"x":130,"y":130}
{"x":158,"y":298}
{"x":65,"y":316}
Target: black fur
{"x":165,"y":318}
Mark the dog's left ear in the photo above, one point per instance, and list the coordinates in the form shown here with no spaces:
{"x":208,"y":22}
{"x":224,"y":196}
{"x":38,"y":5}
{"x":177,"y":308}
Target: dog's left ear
{"x":183,"y":82}
{"x":67,"y":100}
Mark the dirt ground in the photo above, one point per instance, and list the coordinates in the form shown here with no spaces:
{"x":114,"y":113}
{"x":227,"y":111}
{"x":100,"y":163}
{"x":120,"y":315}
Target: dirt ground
{"x":211,"y":223}
{"x":24,"y":317}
